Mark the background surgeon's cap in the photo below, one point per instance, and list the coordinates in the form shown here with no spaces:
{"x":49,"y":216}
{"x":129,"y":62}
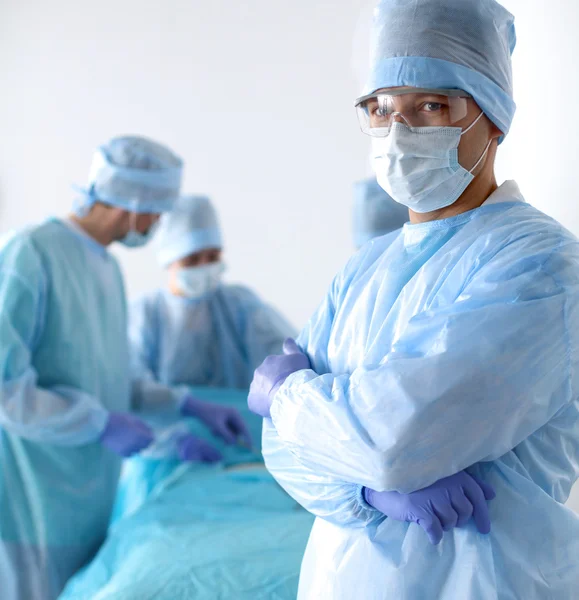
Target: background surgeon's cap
{"x":375,"y":212}
{"x":192,"y":226}
{"x":440,"y":44}
{"x":134,"y":173}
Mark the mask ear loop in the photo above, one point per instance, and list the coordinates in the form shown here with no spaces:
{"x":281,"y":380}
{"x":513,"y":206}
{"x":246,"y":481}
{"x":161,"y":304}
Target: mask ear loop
{"x":487,"y":147}
{"x":133,"y":216}
{"x":473,"y":123}
{"x":482,"y":156}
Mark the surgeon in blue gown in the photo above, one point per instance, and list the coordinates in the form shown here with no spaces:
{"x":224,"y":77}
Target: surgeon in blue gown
{"x":66,"y":388}
{"x":455,"y":346}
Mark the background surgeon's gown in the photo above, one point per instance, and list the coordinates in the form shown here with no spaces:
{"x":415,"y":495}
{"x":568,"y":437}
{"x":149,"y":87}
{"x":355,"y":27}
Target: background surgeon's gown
{"x":456,"y":344}
{"x":216,"y":341}
{"x":64,"y":362}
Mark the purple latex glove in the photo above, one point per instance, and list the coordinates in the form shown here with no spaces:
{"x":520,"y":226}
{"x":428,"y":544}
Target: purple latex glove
{"x":446,"y":504}
{"x":223,"y":421}
{"x":193,"y":449}
{"x":270,"y":375}
{"x":126,"y":434}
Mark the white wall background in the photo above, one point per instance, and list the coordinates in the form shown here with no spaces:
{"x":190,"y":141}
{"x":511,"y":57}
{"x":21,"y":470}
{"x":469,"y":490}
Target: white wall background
{"x":257,"y":97}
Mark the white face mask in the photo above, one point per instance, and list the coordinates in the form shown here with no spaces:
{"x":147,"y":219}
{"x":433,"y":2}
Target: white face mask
{"x":196,"y":282}
{"x":418,"y":166}
{"x":136,"y":239}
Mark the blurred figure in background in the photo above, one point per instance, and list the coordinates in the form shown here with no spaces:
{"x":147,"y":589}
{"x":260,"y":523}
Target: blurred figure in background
{"x":65,"y":383}
{"x":200,"y":331}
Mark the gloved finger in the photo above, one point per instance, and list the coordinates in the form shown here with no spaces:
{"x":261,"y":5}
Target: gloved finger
{"x":290,"y":347}
{"x":142,"y":442}
{"x":480,"y":507}
{"x":148,"y":438}
{"x":134,"y":449}
{"x":142,"y":428}
{"x":186,"y":453}
{"x":225,"y":432}
{"x":463,"y":507}
{"x":433,"y":528}
{"x":446,"y":515}
{"x":209,"y":454}
{"x":241,"y":430}
{"x":487,"y":489}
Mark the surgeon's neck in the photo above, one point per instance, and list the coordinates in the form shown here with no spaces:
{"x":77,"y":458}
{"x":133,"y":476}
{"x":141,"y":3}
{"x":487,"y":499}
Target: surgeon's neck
{"x":475,"y":195}
{"x":99,"y":224}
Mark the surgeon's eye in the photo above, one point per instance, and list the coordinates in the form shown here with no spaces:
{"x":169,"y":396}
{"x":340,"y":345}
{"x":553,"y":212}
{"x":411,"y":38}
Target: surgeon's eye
{"x":380,"y":111}
{"x":433,"y":106}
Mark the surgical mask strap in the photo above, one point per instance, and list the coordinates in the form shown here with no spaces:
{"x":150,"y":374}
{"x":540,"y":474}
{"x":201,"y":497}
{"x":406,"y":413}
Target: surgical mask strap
{"x":481,"y":158}
{"x":473,"y":124}
{"x":133,"y":216}
{"x":133,"y":221}
{"x":488,"y":145}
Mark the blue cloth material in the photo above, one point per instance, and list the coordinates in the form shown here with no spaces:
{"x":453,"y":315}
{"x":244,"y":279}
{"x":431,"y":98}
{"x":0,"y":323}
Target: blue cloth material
{"x":205,"y":533}
{"x":64,"y":363}
{"x":192,"y":226}
{"x":446,"y":44}
{"x":375,"y":213}
{"x":141,"y":474}
{"x":454,"y":345}
{"x":133,"y":173}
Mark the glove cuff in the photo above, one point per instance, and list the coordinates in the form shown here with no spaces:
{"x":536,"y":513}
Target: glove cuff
{"x":367,"y":496}
{"x":189,"y":406}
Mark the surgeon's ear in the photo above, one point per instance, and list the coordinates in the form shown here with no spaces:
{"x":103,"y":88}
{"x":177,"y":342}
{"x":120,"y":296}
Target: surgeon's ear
{"x":120,"y":220}
{"x":495,"y":132}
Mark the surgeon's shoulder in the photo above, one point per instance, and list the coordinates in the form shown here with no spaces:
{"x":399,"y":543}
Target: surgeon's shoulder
{"x":527,"y":236}
{"x":37,"y":239}
{"x":240,"y":295}
{"x":21,"y":252}
{"x":526,"y":226}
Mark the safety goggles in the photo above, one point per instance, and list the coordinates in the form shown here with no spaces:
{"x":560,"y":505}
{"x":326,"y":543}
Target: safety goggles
{"x":414,"y":106}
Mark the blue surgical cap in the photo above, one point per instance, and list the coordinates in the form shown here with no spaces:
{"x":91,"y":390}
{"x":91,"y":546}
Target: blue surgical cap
{"x":375,"y":212}
{"x":192,"y":226}
{"x":134,"y":173}
{"x":446,"y":44}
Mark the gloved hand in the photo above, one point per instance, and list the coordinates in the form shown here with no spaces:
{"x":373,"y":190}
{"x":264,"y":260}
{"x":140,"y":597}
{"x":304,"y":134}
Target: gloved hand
{"x":126,"y":434}
{"x":446,"y":504}
{"x":270,"y":375}
{"x":193,"y":449}
{"x":223,"y":421}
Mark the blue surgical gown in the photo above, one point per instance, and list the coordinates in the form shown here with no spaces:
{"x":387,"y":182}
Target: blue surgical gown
{"x":454,"y":346}
{"x":64,"y":361}
{"x":217,"y":341}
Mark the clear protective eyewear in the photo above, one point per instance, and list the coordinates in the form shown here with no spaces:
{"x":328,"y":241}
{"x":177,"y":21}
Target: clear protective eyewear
{"x":415,"y":107}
